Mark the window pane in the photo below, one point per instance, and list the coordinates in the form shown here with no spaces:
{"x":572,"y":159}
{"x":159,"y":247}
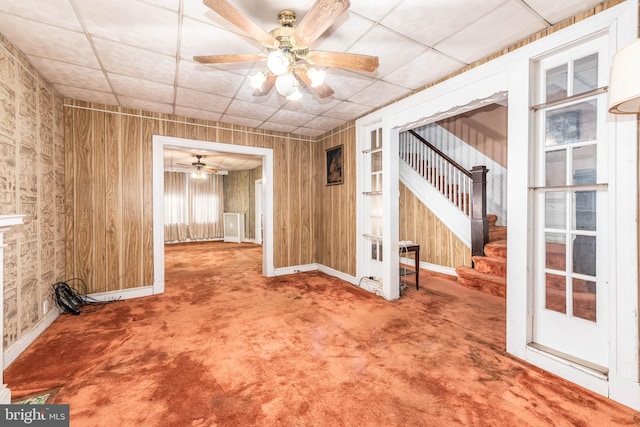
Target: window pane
{"x":584,"y":217}
{"x":584,"y":299}
{"x":585,"y":74}
{"x":584,"y":255}
{"x":556,"y":83}
{"x":556,"y":251}
{"x":556,"y":293}
{"x":374,"y":139}
{"x":584,"y":164}
{"x":575,"y":123}
{"x":555,"y":210}
{"x":555,"y":167}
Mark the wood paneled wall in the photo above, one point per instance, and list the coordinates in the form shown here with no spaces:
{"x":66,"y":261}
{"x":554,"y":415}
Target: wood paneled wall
{"x":239,"y":196}
{"x":335,"y":205}
{"x":109,"y":190}
{"x":438,"y":245}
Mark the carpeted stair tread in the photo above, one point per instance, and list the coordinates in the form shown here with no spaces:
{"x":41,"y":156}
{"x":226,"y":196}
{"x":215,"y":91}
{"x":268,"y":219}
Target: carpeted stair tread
{"x":497,"y":232}
{"x":497,"y":249}
{"x":484,"y":282}
{"x":490,"y":265}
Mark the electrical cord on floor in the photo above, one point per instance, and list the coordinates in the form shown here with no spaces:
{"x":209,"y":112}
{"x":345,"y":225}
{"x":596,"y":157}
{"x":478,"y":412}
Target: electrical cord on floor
{"x":74,"y":301}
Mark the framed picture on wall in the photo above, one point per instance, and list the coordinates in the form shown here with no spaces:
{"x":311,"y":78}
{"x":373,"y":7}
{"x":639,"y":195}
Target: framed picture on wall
{"x":333,"y":165}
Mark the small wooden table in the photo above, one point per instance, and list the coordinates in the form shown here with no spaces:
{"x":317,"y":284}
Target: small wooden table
{"x":415,"y":248}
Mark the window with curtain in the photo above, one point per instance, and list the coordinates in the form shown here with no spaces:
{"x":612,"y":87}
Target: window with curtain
{"x":192,"y":207}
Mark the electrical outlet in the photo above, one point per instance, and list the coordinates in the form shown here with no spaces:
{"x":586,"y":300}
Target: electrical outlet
{"x":45,"y":307}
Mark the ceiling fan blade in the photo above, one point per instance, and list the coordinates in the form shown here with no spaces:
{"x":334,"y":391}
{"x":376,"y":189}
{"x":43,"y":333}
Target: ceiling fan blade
{"x":323,"y":90}
{"x":348,"y":61}
{"x":266,"y":87}
{"x":322,"y":15}
{"x":237,"y":18}
{"x":223,"y":59}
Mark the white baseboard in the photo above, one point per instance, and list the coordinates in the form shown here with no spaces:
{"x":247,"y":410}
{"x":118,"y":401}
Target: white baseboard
{"x":295,"y":269}
{"x":431,"y":267}
{"x":143,"y":291}
{"x":5,"y":394}
{"x":316,"y":267}
{"x":13,"y":351}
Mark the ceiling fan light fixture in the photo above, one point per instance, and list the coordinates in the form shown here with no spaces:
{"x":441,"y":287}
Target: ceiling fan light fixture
{"x":257,"y":80}
{"x":277,"y":62}
{"x":198,"y":174}
{"x":317,"y":76}
{"x":286,"y":84}
{"x":296,"y":95}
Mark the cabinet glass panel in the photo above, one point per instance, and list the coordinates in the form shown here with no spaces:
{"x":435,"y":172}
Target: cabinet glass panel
{"x":571,"y":124}
{"x":556,"y":293}
{"x":585,"y":74}
{"x":583,"y":296}
{"x":555,"y":168}
{"x":556,"y":80}
{"x":556,"y":251}
{"x":584,"y":164}
{"x":555,"y":210}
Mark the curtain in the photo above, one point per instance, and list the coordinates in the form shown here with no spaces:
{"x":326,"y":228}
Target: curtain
{"x":192,"y":207}
{"x":205,"y":207}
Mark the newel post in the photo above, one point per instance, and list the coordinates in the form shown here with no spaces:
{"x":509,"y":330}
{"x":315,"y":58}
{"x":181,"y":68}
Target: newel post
{"x":479,"y":222}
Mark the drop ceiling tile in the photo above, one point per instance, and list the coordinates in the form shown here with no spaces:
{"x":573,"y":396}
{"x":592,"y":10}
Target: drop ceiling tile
{"x":197,"y":113}
{"x":200,"y":100}
{"x":424,"y":68}
{"x":71,"y":75}
{"x":141,"y":104}
{"x":199,"y":39}
{"x":325,"y":123}
{"x":555,"y":11}
{"x":204,"y":77}
{"x":347,"y":83}
{"x":172,"y":5}
{"x":141,"y":89}
{"x":250,"y":111}
{"x":310,"y":103}
{"x":135,"y":62}
{"x":46,"y":41}
{"x":348,"y":110}
{"x":278,"y":127}
{"x":147,"y":26}
{"x":244,"y":121}
{"x":373,"y":10}
{"x":58,"y":13}
{"x":308,"y":131}
{"x":474,"y":42}
{"x":378,"y":94}
{"x":340,"y":38}
{"x":432,"y":21}
{"x":291,"y":117}
{"x":86,"y":95}
{"x":385,"y":44}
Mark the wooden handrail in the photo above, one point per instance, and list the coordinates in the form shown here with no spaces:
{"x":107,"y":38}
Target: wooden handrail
{"x":441,"y":154}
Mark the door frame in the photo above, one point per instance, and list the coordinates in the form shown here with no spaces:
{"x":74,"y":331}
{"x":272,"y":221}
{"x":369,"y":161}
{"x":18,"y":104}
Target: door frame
{"x":159,"y":144}
{"x":257,"y":229}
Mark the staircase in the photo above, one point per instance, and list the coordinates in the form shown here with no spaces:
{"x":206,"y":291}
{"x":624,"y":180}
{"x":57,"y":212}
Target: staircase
{"x":489,"y":273}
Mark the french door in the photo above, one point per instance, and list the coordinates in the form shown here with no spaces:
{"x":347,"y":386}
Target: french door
{"x":569,"y":190}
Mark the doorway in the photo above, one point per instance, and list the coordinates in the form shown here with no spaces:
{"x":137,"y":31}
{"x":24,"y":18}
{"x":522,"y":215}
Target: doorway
{"x":159,"y":145}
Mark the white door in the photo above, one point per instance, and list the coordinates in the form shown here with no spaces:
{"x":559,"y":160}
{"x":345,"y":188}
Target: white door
{"x":258,"y":221}
{"x":569,"y":192}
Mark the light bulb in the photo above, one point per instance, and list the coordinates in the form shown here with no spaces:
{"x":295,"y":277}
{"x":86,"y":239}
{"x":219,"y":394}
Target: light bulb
{"x":257,"y":80}
{"x":296,"y":95}
{"x":277,"y":62}
{"x":286,"y":84}
{"x":317,"y":76}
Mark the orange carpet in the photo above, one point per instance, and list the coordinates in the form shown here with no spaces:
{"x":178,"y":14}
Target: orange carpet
{"x":226,"y":347}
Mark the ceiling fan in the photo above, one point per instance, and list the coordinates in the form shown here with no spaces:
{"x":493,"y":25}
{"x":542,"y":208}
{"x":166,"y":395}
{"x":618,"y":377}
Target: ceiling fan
{"x":201,"y":169}
{"x":289,"y":60}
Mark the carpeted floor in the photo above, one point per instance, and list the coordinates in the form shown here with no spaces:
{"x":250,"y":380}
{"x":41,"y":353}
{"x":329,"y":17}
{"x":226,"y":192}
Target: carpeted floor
{"x":226,"y":347}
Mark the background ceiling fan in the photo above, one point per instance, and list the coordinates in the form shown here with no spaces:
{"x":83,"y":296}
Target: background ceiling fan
{"x":289,"y":60}
{"x":199,"y":168}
